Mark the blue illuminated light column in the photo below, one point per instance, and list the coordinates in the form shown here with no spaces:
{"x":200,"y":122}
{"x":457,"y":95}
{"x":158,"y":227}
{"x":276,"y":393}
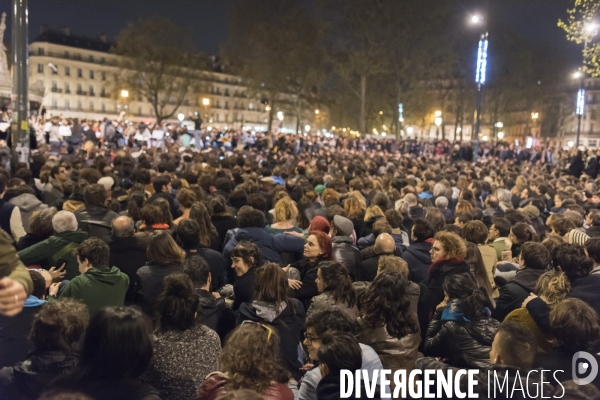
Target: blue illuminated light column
{"x":480,"y":75}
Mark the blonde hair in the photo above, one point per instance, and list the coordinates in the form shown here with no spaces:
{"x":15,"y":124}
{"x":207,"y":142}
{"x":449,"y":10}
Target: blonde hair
{"x":454,"y":245}
{"x":285,"y":210}
{"x":553,"y":287}
{"x":464,"y":206}
{"x":353,"y":207}
{"x":372,"y":212}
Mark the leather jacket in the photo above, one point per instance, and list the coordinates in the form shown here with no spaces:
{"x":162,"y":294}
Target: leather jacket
{"x":96,"y":220}
{"x":344,"y":252}
{"x":213,"y":387}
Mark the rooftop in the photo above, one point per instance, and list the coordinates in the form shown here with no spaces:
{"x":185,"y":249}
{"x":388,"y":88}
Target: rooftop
{"x":65,"y":38}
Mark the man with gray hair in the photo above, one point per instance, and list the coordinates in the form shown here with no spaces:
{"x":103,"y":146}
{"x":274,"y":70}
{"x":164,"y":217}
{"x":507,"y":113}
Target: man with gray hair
{"x":57,"y":249}
{"x":442,"y":204}
{"x":127,"y":251}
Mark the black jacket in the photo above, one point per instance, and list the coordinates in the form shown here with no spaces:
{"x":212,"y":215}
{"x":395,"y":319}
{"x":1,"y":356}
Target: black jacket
{"x":418,"y":259}
{"x":593,"y":231}
{"x":96,"y":220}
{"x":243,"y":288}
{"x":288,"y":325}
{"x":216,"y":264}
{"x":368,"y":268}
{"x":14,"y":333}
{"x":149,"y":284}
{"x":464,"y":344}
{"x":215,"y":314}
{"x":344,"y":252}
{"x":128,"y":254}
{"x":432,"y":291}
{"x":308,"y":274}
{"x":222,"y":224}
{"x":28,"y":379}
{"x":515,"y":292}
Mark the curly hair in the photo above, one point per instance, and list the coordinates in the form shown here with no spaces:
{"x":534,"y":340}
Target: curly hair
{"x":386,"y":302}
{"x":285,"y":210}
{"x":252,"y":360}
{"x":373,"y":212}
{"x":337,"y":282}
{"x":354,"y":208}
{"x":59,"y":325}
{"x":553,"y":287}
{"x":330,"y":197}
{"x":454,"y":245}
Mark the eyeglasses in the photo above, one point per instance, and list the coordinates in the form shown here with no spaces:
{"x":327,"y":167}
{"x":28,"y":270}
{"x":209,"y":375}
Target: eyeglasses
{"x":310,"y":338}
{"x":265,"y":327}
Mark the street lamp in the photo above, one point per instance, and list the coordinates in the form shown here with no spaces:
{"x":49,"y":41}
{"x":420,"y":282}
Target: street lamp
{"x":280,"y":118}
{"x":180,"y":117}
{"x":307,"y":128}
{"x":268,"y":108}
{"x":500,"y":135}
{"x":590,"y":30}
{"x":124,"y":93}
{"x":317,"y":112}
{"x":438,"y":123}
{"x":205,"y":101}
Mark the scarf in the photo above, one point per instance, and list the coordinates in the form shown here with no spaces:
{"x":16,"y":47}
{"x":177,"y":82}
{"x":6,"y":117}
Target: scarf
{"x":442,"y":262}
{"x":452,"y":312}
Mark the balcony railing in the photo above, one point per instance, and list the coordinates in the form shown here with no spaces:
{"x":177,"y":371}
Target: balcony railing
{"x":56,"y":90}
{"x":75,"y":57}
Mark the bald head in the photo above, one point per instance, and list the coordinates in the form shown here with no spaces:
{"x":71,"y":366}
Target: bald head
{"x":384,"y":244}
{"x":123,"y":227}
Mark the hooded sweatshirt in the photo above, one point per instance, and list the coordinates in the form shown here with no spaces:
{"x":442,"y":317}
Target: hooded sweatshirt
{"x":98,"y":288}
{"x":27,"y":204}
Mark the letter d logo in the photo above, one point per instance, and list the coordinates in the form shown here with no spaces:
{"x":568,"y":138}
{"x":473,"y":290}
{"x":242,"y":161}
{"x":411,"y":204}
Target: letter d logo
{"x":581,"y":368}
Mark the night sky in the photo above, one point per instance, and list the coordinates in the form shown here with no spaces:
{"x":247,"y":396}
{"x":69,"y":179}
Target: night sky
{"x":533,"y":20}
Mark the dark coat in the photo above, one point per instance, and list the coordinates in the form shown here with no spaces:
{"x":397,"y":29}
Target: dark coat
{"x":215,"y":314}
{"x":175,"y":212}
{"x":433,"y":293}
{"x":118,"y":389}
{"x":308,"y":274}
{"x":593,"y":231}
{"x":96,"y":220}
{"x":515,"y":292}
{"x":216,"y":264}
{"x":149,"y":284}
{"x":368,"y":268}
{"x":418,"y":259}
{"x":243,"y":288}
{"x":344,"y":252}
{"x":28,"y":379}
{"x":464,"y":344}
{"x":128,"y":254}
{"x":289,"y":325}
{"x":14,"y":333}
{"x":222,"y":224}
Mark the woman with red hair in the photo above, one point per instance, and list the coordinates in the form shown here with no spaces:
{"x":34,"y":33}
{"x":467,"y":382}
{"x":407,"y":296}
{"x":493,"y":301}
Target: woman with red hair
{"x":316,"y":250}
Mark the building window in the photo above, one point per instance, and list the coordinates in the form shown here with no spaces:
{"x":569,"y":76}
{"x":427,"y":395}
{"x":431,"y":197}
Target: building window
{"x":226,"y":92}
{"x":250,"y":106}
{"x":54,"y":103}
{"x":79,"y":105}
{"x":139,"y":110}
{"x":66,"y":54}
{"x":91,"y":59}
{"x":226,"y":105}
{"x":79,"y":73}
{"x":103,"y":92}
{"x":54,"y":86}
{"x":592,"y":143}
{"x":91,"y":74}
{"x":67,"y":71}
{"x":77,"y":56}
{"x":92,"y":91}
{"x":41,"y":68}
{"x":594,"y":115}
{"x":79,"y":89}
{"x":103,"y":108}
{"x":40,"y":51}
{"x":103,"y":74}
{"x":591,"y":128}
{"x":102,"y":60}
{"x":67,"y":88}
{"x":91,"y":106}
{"x":67,"y":105}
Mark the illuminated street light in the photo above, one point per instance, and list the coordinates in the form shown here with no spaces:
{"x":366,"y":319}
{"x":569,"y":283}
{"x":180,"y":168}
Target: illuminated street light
{"x":438,"y":114}
{"x":410,"y":130}
{"x":485,"y":138}
{"x":307,"y":128}
{"x":476,"y":19}
{"x":124,"y":93}
{"x":268,"y":108}
{"x":535,"y":115}
{"x":380,"y":112}
{"x":499,"y":125}
{"x":438,"y":121}
{"x":205,"y":101}
{"x":591,"y":28}
{"x":180,"y":117}
{"x":280,"y":115}
{"x":383,"y":134}
{"x":317,"y":112}
{"x":577,"y":75}
{"x":570,"y":143}
{"x":500,"y":135}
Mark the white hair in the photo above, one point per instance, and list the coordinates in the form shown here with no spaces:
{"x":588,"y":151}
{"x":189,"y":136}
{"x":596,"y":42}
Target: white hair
{"x":439,"y":189}
{"x":441,"y":202}
{"x":64,"y":221}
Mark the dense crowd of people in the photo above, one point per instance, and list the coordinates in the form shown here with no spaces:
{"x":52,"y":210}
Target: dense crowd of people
{"x":246,"y":271}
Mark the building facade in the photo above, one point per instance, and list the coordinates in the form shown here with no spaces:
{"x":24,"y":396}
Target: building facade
{"x":78,"y":76}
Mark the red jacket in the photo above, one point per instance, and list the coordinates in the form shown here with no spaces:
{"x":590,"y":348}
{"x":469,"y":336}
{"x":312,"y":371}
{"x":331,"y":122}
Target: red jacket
{"x":214,"y":387}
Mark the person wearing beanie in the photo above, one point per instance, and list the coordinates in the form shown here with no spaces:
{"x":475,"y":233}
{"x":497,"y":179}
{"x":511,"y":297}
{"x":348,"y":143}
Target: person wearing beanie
{"x":575,"y":236}
{"x":343,"y":249}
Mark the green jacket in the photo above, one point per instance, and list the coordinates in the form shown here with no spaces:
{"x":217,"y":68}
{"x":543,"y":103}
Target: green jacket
{"x":48,"y":252}
{"x":98,"y":288}
{"x":499,"y":246}
{"x":10,"y":265}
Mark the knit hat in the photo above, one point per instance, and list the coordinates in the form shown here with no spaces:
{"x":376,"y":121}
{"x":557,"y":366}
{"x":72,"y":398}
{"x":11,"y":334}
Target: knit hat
{"x":343,"y":226}
{"x":319,"y":189}
{"x":319,"y":223}
{"x":531,"y":210}
{"x":575,"y":236}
